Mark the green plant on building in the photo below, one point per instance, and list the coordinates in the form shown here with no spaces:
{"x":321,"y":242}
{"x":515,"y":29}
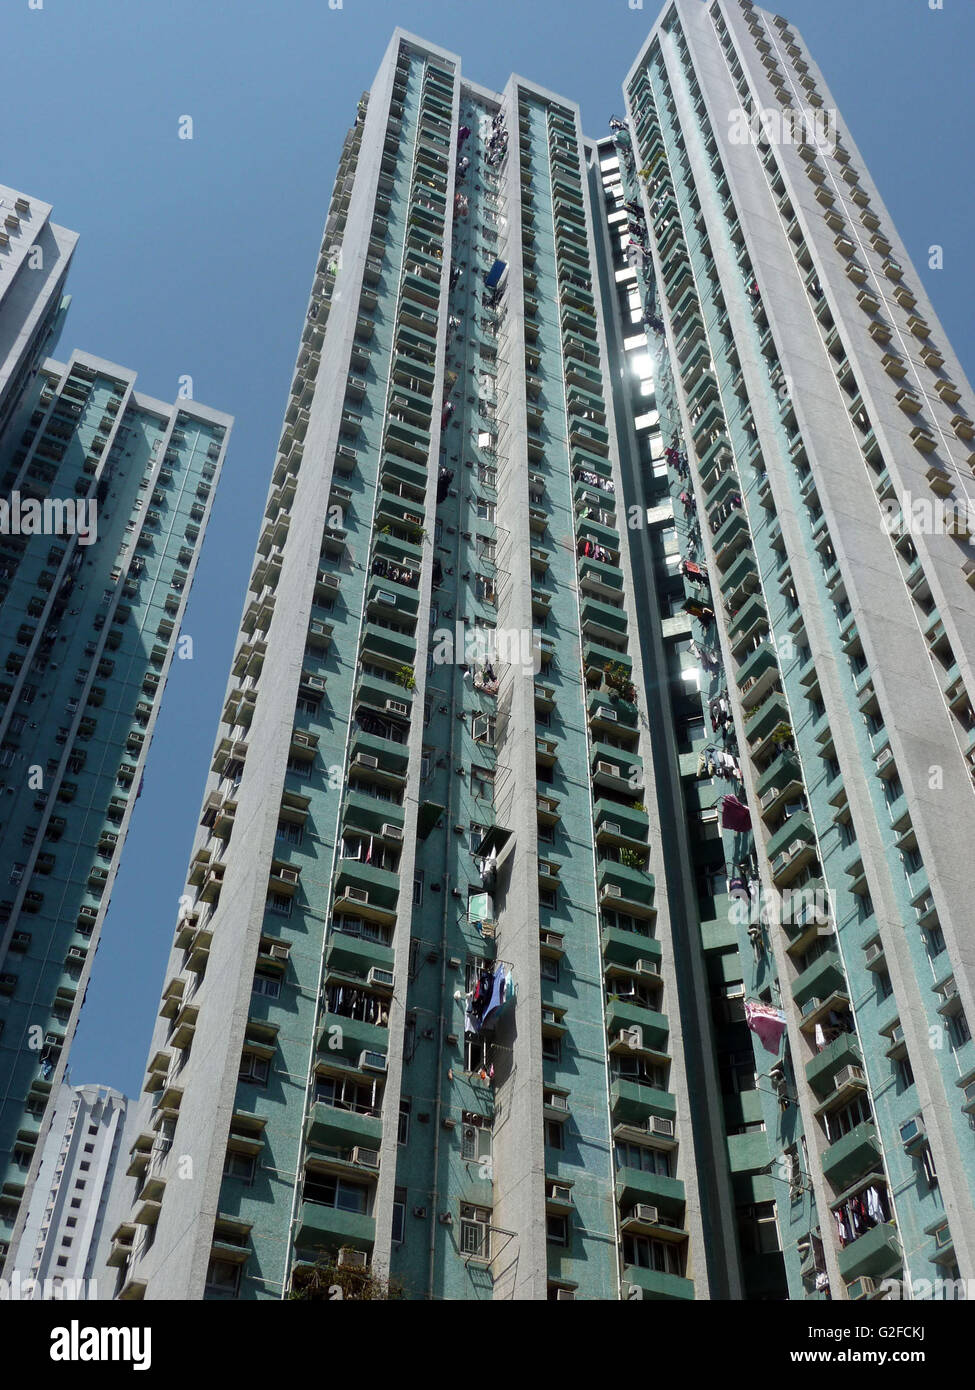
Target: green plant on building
{"x":330,"y":1282}
{"x":406,"y":678}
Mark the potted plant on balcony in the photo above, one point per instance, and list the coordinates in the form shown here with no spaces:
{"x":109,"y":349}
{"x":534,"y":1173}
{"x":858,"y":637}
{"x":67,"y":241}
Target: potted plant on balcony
{"x":406,"y":678}
{"x":617,"y":678}
{"x":632,"y":858}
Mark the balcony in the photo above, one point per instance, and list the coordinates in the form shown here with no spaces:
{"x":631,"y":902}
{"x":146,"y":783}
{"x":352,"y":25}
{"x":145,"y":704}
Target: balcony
{"x":656,"y":1285}
{"x":380,"y":886}
{"x":782,"y":776}
{"x":340,"y":1037}
{"x":634,"y":1185}
{"x":393,"y":757}
{"x":618,"y":823}
{"x":852,"y":1156}
{"x":616,"y":769}
{"x":356,"y":955}
{"x":750,"y":619}
{"x":633,"y":1103}
{"x":766,"y":719}
{"x":333,"y":1127}
{"x":876,"y":1253}
{"x":652,"y":1028}
{"x":798,"y":827}
{"x":730,"y":537}
{"x":628,"y":890}
{"x":821,"y":979}
{"x":327,"y":1229}
{"x":398,"y":646}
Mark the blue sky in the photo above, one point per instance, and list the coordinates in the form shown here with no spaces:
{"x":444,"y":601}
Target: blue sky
{"x":197,"y":256}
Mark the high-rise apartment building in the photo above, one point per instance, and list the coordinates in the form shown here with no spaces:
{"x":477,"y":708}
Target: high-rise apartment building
{"x":58,"y":1252}
{"x":593,"y":469}
{"x":35,"y":255}
{"x":106,"y":497}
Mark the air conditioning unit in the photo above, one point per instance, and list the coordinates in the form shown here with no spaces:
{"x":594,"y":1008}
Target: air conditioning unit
{"x":558,"y":1102}
{"x":612,"y":827}
{"x":564,"y":1293}
{"x":279,"y":952}
{"x":559,"y":1192}
{"x":658,"y":1125}
{"x":366,"y":1158}
{"x":942,"y":1237}
{"x":612,"y":890}
{"x":378,"y":975}
{"x":884,"y":757}
{"x":605,"y":712}
{"x":846,"y":1076}
{"x":352,"y":1259}
{"x":357,"y":895}
{"x":392,"y":832}
{"x":550,"y":1016}
{"x":372,"y":1061}
{"x":969,"y":1093}
{"x":896,"y":1035}
{"x":413,"y":519}
{"x":874,"y":952}
{"x":810,"y":1006}
{"x":397,"y":707}
{"x":366,"y":760}
{"x":912,"y":1131}
{"x":646,"y":967}
{"x":643,"y":1212}
{"x":610,"y":769}
{"x":314,"y":682}
{"x":796,"y":846}
{"x":552,"y":938}
{"x":861,"y":1288}
{"x":388,"y":600}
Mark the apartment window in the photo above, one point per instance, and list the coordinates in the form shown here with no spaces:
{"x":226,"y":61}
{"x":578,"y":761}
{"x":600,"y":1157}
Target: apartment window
{"x":254,"y":1069}
{"x":399,"y":1216}
{"x":474,"y":836}
{"x":958,"y":1030}
{"x":758,"y":1229}
{"x":487,"y":549}
{"x":475,"y":1231}
{"x":554,"y":1135}
{"x":267,"y":984}
{"x":552,"y":1049}
{"x":840,"y":1122}
{"x":483,"y":728}
{"x":659,"y":1255}
{"x":279,"y":903}
{"x":223,"y":1279}
{"x":403,"y":1126}
{"x":557,"y":1230}
{"x":486,"y":511}
{"x":290,"y":833}
{"x":645,"y":1160}
{"x":738,"y":1073}
{"x":549,"y":968}
{"x":484,"y":588}
{"x":240,"y":1166}
{"x":905,"y":1073}
{"x":927,"y":1163}
{"x":482,"y":783}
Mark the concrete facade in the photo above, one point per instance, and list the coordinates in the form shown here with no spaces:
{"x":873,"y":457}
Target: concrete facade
{"x":640,"y":405}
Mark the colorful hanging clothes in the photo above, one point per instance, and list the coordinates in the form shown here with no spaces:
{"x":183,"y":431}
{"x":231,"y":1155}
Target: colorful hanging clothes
{"x":767,"y":1022}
